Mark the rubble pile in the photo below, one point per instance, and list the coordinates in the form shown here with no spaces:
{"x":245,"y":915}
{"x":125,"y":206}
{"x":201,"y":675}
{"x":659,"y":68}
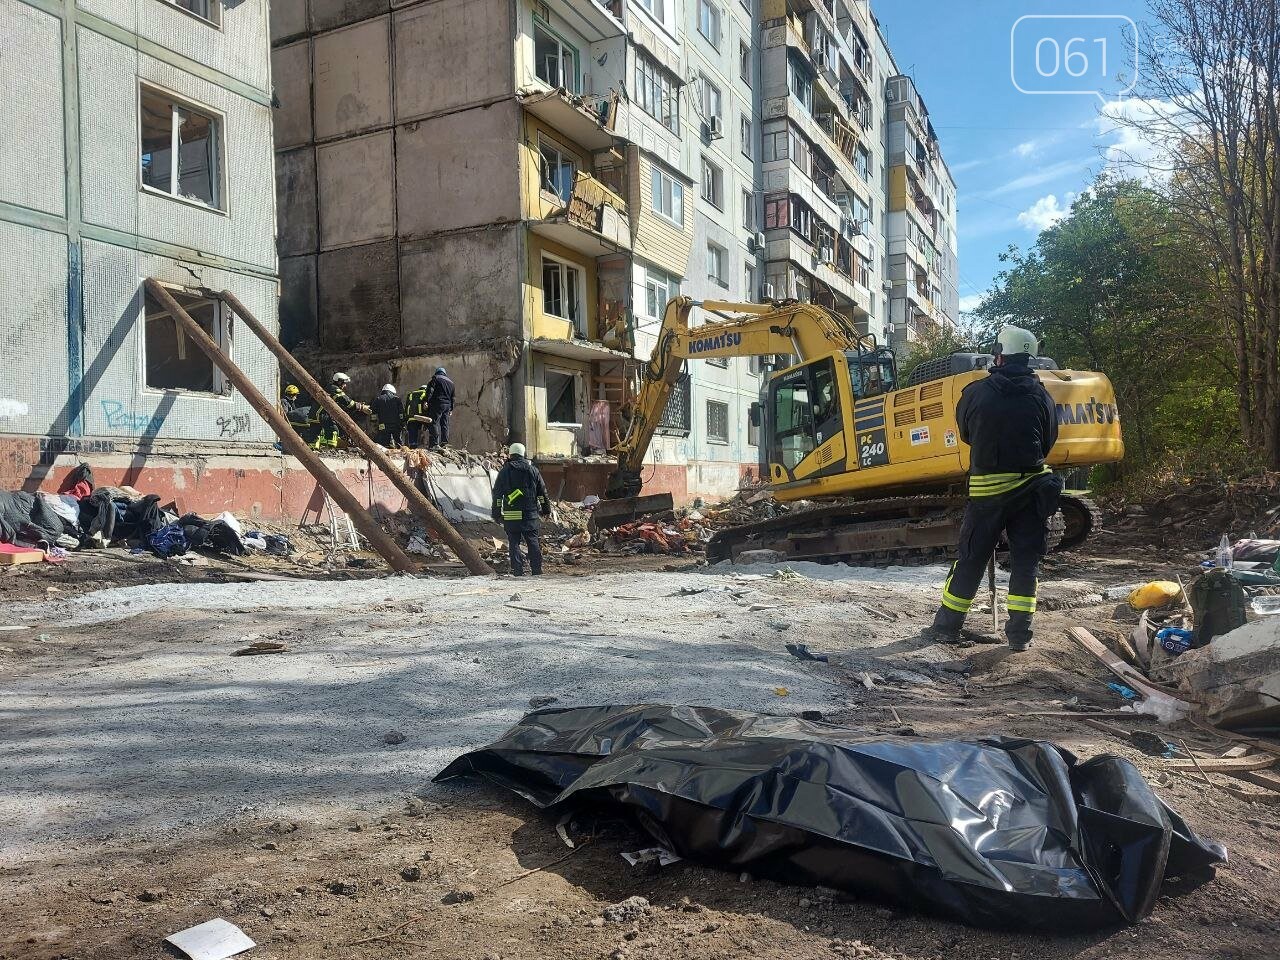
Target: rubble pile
{"x":674,"y":532}
{"x":1208,"y":506}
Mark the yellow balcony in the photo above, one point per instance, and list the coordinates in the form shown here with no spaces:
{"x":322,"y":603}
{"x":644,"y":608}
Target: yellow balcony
{"x":594,"y":221}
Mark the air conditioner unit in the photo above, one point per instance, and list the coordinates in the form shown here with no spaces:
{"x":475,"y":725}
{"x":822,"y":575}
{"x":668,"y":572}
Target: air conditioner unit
{"x":820,"y":59}
{"x":715,"y":127}
{"x":766,"y":291}
{"x":760,"y":240}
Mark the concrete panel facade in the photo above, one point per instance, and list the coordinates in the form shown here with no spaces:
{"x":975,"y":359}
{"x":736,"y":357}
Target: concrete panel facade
{"x":352,"y":79}
{"x":452,"y":54}
{"x":288,"y":20}
{"x":359,"y":305}
{"x":330,"y":14}
{"x":34,"y":176}
{"x":291,"y":71}
{"x":298,"y":230}
{"x":461,"y":282}
{"x":458,"y":170}
{"x":357,"y":190}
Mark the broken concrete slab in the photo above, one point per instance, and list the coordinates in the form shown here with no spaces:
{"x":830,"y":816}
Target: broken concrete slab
{"x":1236,"y":677}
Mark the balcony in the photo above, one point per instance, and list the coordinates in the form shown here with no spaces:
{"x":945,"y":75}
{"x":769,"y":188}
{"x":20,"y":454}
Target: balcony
{"x":594,"y":221}
{"x":594,"y":19}
{"x":586,"y":120}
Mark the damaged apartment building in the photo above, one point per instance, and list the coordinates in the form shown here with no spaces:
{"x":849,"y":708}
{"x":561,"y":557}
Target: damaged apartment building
{"x":513,"y":189}
{"x":138,"y":145}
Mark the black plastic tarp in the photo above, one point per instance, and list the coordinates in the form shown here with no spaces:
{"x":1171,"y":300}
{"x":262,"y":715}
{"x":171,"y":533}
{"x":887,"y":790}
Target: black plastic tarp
{"x":998,"y":831}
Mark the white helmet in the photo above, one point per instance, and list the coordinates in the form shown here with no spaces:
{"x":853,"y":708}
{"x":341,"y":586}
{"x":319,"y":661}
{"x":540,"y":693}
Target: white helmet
{"x":389,"y":388}
{"x":516,"y":450}
{"x":1016,"y":340}
{"x":341,"y":378}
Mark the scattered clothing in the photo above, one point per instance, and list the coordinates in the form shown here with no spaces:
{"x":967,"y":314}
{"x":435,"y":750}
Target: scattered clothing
{"x":78,"y":483}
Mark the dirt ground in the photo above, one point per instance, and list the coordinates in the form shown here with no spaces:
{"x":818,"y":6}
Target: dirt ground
{"x":464,"y":871}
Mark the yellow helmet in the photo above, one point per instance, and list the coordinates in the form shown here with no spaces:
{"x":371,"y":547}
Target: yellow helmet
{"x":291,"y":390}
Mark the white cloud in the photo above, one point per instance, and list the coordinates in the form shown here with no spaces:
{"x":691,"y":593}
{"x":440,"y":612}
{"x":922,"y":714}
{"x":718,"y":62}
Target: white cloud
{"x":971,"y":302}
{"x":969,"y":165}
{"x":1141,"y":133}
{"x":1045,"y":212}
{"x":1026,"y":149}
{"x":1038,"y":178}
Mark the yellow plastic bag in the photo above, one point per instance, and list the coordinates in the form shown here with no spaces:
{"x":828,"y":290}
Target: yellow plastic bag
{"x":1157,"y":593}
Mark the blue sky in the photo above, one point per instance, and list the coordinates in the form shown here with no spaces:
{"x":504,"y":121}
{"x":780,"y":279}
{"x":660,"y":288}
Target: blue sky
{"x":1017,"y":158}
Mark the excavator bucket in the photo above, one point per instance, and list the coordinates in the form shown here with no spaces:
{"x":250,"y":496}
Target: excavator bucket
{"x":608,"y":514}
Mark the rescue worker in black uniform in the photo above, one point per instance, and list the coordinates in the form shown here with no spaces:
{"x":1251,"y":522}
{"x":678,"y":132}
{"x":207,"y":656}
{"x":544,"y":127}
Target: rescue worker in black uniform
{"x":1009,"y":422}
{"x":415,"y":405}
{"x":439,"y":407}
{"x":388,"y":412}
{"x":329,"y":431}
{"x":299,"y":410}
{"x":519,"y":499}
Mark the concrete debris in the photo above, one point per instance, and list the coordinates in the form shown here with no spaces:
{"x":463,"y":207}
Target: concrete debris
{"x":632,"y":908}
{"x":459,"y":895}
{"x":211,"y":940}
{"x":393,"y":737}
{"x":1235,"y":679}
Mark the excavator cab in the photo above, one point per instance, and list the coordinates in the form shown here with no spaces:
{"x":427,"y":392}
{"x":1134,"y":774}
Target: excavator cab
{"x":872,"y":372}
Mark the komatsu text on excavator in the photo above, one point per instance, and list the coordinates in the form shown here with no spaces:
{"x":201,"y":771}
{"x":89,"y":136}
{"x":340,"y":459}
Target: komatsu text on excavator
{"x":836,"y":426}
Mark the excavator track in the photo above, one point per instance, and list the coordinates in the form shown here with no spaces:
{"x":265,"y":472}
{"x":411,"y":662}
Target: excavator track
{"x":896,"y":531}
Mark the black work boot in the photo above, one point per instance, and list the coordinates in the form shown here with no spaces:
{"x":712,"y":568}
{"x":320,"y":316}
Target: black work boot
{"x":1019,"y":642}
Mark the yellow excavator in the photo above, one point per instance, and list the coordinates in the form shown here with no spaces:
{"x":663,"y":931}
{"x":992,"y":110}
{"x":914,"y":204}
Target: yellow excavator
{"x":836,"y":426}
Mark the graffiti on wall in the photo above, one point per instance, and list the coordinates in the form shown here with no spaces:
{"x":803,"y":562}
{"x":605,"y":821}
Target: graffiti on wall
{"x":233,"y":426}
{"x":120,"y":417}
{"x":52,"y":447}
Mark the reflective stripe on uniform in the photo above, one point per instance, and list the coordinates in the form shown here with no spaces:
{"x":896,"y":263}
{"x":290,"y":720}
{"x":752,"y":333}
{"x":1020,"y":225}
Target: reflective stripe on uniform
{"x":512,"y":514}
{"x":1021,"y":604}
{"x":993,"y":484}
{"x":1018,"y":604}
{"x":951,"y":601}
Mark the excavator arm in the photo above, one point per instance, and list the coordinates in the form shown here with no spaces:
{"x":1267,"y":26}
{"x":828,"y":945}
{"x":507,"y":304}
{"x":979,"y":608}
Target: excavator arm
{"x":749,"y":329}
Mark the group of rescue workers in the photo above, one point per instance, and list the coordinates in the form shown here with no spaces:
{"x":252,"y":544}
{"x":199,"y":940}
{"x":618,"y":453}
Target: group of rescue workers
{"x":398,"y":424}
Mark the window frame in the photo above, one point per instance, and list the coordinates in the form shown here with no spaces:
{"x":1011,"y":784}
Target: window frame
{"x":657,"y":178}
{"x":749,"y":223}
{"x":717,"y":256}
{"x":711,"y":92}
{"x":575,"y":378}
{"x":564,"y":154}
{"x":714,"y":22}
{"x":719,"y":439}
{"x":744,"y":62}
{"x":579,"y":324}
{"x":222,"y":387}
{"x":655,"y":280}
{"x":217,"y":120}
{"x":747,"y":134}
{"x":215,"y":22}
{"x":656,"y":83}
{"x":540,"y":24}
{"x":713,"y":183}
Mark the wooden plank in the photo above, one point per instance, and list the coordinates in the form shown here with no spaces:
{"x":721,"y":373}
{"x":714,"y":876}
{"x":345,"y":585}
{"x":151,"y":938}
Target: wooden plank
{"x":1117,"y":714}
{"x":1268,"y":780}
{"x":12,"y":556}
{"x":1265,"y":745}
{"x":1223,"y":764}
{"x":1129,"y":674}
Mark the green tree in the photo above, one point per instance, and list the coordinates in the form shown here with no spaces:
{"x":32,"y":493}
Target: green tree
{"x":1113,"y":288}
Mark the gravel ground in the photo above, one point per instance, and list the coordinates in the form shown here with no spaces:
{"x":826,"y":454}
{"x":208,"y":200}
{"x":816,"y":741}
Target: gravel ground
{"x":125,"y":713}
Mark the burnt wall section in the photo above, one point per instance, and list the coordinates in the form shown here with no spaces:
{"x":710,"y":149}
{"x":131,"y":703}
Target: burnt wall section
{"x":398,"y":197}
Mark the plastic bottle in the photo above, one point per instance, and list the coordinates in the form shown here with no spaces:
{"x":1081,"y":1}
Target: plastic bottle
{"x":1226,"y":558}
{"x":1266,"y":605}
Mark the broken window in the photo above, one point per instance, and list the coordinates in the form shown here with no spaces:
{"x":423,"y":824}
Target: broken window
{"x":180,"y":152}
{"x":207,"y":10}
{"x":172,"y":361}
{"x":562,"y":293}
{"x":558,"y":169}
{"x":717,"y":422}
{"x":562,"y":398}
{"x":712,"y":184}
{"x":555,"y":62}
